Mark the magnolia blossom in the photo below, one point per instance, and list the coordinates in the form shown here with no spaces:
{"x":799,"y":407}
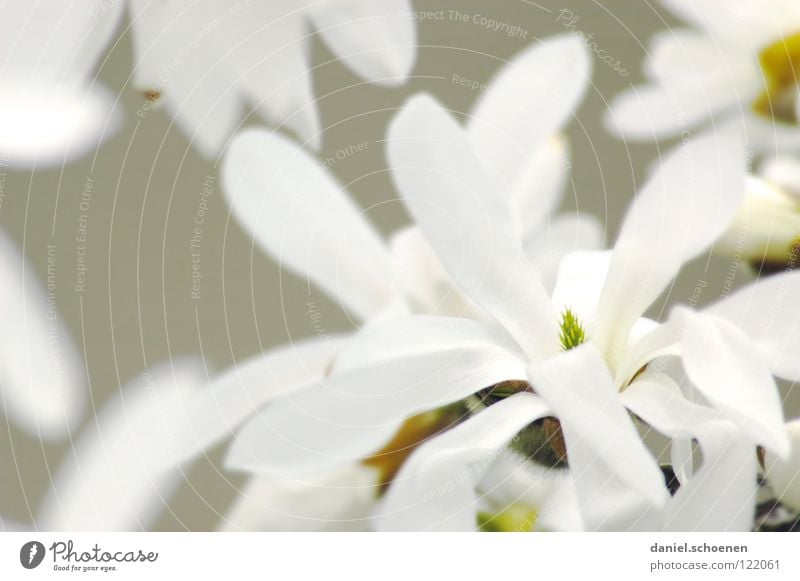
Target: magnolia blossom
{"x":42,"y":382}
{"x":299,"y":214}
{"x":51,"y":107}
{"x":404,"y":367}
{"x":736,"y":63}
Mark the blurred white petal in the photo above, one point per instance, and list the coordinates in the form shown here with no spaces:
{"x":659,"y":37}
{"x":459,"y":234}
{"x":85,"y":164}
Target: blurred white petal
{"x":113,"y":478}
{"x":42,"y":379}
{"x":298,"y":214}
{"x":377,"y":40}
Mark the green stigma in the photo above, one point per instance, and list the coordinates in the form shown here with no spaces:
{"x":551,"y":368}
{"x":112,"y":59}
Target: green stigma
{"x":780,"y":63}
{"x":572,"y":333}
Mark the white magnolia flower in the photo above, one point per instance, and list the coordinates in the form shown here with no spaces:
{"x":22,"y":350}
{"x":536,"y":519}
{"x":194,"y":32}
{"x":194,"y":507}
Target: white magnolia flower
{"x":410,"y":366}
{"x":52,"y":108}
{"x":298,"y":214}
{"x":737,"y":63}
{"x":42,"y":382}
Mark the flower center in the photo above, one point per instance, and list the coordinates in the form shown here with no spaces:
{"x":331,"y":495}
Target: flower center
{"x":572,"y":333}
{"x":780,"y":63}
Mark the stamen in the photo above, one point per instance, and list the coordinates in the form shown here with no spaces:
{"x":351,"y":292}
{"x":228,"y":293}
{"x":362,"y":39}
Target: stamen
{"x":572,"y":333}
{"x":780,"y":63}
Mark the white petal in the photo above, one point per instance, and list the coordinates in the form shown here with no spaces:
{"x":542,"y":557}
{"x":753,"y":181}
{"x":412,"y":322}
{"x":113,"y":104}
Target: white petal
{"x":548,"y":171}
{"x":724,"y":366}
{"x":567,"y":233}
{"x":745,"y":22}
{"x":269,"y":56}
{"x":618,"y":482}
{"x":679,"y":213}
{"x":459,"y":208}
{"x":55,"y":41}
{"x":532,"y":97}
{"x":421,"y":278}
{"x":784,"y":475}
{"x":435,"y":488}
{"x":766,"y":310}
{"x":42,"y":378}
{"x":297,"y":213}
{"x":113,"y":478}
{"x":210,"y":414}
{"x":178,"y":50}
{"x":46,"y":124}
{"x":354,"y":413}
{"x":336,"y":502}
{"x":377,"y":40}
{"x":721,"y":496}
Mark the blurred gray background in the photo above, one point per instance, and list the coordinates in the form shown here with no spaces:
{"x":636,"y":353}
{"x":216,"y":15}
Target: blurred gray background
{"x":136,"y":310}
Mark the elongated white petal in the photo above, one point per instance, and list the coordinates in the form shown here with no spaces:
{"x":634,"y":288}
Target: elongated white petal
{"x":42,"y":379}
{"x":269,"y":57}
{"x":766,"y":310}
{"x":566,"y":234}
{"x":459,"y":208}
{"x":377,"y":40}
{"x":784,"y":475}
{"x":532,"y":98}
{"x":435,"y":488}
{"x":692,"y":78}
{"x":722,"y":362}
{"x":298,"y":214}
{"x":721,"y":495}
{"x":113,"y":477}
{"x":337,"y":502}
{"x":210,"y":414}
{"x":353,"y":413}
{"x":618,"y":483}
{"x":684,"y":207}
